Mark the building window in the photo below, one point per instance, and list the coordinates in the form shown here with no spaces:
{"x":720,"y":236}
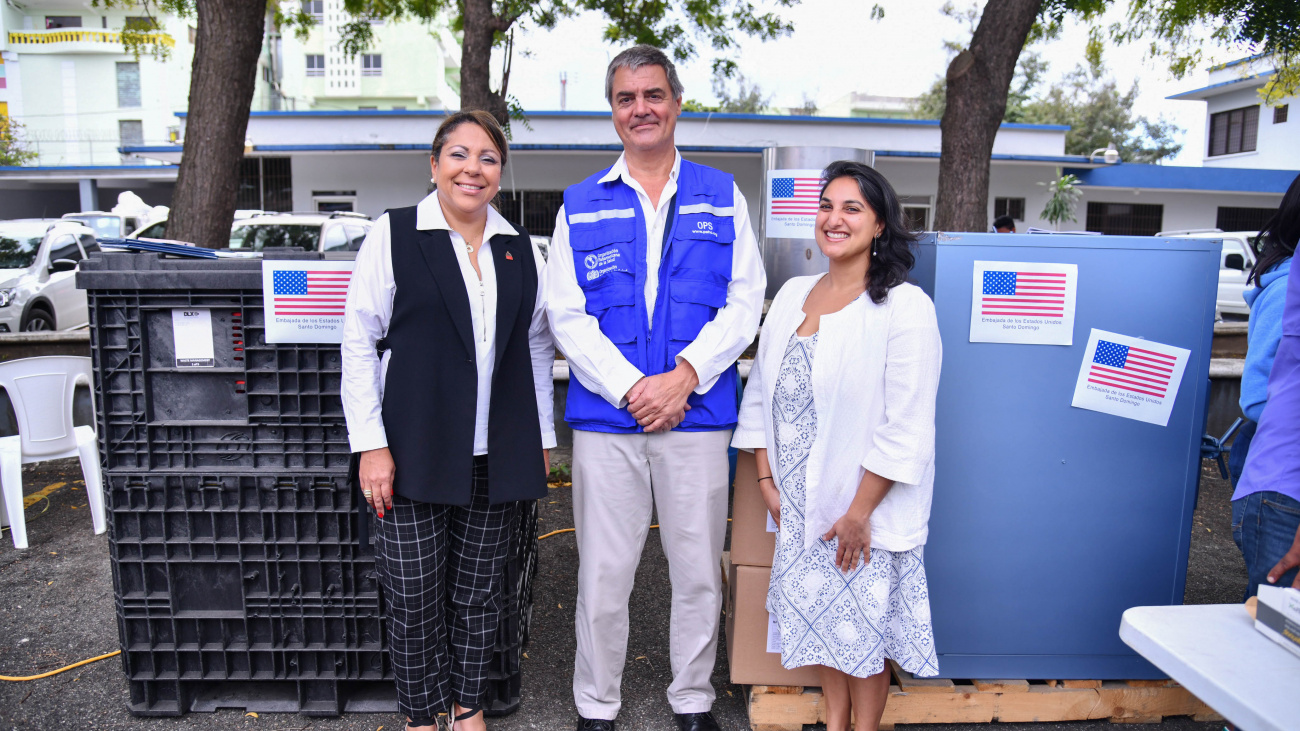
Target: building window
{"x":1234,"y":131}
{"x":62,"y":21}
{"x":367,"y":109}
{"x":1014,"y":207}
{"x":128,"y":84}
{"x":1279,"y":114}
{"x":140,"y":23}
{"x":372,"y":64}
{"x":265,"y":183}
{"x":130,"y":132}
{"x":315,"y":64}
{"x":1125,"y":219}
{"x":1242,"y":219}
{"x":314,"y":8}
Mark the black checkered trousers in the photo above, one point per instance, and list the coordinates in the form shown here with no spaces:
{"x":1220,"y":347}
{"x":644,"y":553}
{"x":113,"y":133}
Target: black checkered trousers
{"x":442,"y":568}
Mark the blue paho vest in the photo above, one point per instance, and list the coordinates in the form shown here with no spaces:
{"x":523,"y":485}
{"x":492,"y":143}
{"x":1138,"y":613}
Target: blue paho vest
{"x":607,"y":232}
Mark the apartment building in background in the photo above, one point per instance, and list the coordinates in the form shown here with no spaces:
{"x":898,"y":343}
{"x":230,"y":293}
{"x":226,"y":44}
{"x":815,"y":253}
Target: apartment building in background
{"x":409,"y":65}
{"x":81,"y":97}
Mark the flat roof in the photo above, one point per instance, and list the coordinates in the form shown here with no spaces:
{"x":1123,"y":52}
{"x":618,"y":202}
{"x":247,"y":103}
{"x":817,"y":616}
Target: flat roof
{"x":424,"y":146}
{"x":1213,"y":89}
{"x":1171,"y":177}
{"x":605,"y":115}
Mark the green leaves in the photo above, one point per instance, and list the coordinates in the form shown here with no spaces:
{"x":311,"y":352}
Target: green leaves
{"x":13,"y":152}
{"x":1065,"y":194}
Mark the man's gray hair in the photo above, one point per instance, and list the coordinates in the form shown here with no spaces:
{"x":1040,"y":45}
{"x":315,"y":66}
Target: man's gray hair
{"x":636,"y":57}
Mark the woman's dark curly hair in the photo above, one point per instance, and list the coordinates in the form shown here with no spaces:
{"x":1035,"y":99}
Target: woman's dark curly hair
{"x":892,"y":256}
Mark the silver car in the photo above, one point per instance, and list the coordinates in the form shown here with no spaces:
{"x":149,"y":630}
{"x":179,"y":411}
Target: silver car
{"x":38,"y":258}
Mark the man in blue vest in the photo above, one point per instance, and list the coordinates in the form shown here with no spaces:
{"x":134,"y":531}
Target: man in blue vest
{"x":655,"y":286}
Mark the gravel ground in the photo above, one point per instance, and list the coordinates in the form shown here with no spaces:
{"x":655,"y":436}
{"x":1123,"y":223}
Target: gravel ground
{"x":58,"y":597}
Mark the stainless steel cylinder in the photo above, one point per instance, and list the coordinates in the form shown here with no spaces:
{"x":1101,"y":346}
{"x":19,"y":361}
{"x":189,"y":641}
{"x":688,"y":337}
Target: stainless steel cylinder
{"x":791,"y":189}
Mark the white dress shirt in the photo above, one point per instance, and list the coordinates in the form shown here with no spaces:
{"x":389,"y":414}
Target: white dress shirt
{"x":370,"y":309}
{"x":874,"y":380}
{"x":595,"y":359}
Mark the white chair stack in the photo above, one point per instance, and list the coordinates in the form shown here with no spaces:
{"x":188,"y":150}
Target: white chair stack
{"x":41,"y":391}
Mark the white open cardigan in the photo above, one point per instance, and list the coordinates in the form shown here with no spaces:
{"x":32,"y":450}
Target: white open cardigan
{"x":874,"y":379}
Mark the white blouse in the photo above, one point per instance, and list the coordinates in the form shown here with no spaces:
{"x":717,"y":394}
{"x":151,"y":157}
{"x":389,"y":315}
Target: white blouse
{"x":370,"y":309}
{"x":874,"y":383}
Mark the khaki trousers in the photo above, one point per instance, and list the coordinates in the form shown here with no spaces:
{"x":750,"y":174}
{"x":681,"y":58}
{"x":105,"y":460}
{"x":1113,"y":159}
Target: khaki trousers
{"x":617,"y":480}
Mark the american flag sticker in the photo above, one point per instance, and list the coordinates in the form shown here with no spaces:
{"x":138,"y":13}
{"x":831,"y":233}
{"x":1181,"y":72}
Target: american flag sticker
{"x":1023,"y":302}
{"x":304,"y":301}
{"x":1130,"y":377}
{"x":792,"y":199}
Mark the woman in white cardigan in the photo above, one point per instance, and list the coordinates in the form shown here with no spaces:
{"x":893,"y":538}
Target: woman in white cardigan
{"x":839,"y":411}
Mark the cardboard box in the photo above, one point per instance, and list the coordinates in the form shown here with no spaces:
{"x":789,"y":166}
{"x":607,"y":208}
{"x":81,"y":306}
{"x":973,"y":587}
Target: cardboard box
{"x":747,"y":632}
{"x":751,"y":542}
{"x":1278,"y":616}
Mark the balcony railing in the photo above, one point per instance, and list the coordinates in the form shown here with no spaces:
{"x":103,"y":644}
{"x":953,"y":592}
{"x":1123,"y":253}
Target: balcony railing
{"x":79,"y":35}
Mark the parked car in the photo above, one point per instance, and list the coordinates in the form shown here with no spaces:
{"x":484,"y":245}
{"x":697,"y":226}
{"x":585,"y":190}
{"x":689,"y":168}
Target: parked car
{"x":1235,"y":263}
{"x":104,"y":224}
{"x":543,"y":243}
{"x":158,"y":229}
{"x":38,"y":258}
{"x":337,"y":231}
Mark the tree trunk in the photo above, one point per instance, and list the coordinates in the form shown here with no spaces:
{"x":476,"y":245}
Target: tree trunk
{"x":476,"y":61}
{"x":978,"y":80}
{"x":221,"y":93}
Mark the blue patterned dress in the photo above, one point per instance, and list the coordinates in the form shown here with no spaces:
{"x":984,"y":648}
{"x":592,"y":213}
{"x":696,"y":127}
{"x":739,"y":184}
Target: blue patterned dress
{"x":850,"y":622}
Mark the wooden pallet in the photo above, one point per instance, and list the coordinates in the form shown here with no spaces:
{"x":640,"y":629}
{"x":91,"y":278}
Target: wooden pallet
{"x":922,"y":700}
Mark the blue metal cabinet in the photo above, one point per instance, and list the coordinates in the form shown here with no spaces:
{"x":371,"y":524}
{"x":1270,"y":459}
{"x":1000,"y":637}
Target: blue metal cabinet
{"x":1048,"y":520}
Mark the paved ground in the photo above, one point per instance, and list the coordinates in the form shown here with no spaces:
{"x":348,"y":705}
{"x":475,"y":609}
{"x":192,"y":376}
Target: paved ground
{"x":58,"y":608}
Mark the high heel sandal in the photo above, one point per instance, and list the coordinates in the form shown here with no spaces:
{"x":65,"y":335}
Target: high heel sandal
{"x":469,"y":713}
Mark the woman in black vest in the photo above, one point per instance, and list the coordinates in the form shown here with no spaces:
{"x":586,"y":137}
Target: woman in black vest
{"x":453,"y":421}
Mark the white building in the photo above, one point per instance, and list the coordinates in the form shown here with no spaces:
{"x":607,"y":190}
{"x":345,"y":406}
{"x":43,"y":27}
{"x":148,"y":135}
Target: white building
{"x":409,"y":65}
{"x":379,"y":159}
{"x":70,"y":82}
{"x":1242,"y":131}
{"x":374,"y":159}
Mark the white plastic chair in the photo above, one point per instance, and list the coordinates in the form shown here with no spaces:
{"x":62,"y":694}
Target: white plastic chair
{"x":40,"y":390}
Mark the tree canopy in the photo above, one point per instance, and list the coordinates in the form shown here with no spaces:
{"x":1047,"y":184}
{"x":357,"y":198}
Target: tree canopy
{"x":1087,"y":100}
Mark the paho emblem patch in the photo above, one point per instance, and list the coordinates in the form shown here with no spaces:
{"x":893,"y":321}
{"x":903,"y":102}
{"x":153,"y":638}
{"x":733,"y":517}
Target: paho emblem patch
{"x":598,"y":264}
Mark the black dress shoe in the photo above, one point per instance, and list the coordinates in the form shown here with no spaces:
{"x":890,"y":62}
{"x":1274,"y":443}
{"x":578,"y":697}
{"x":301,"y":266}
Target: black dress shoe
{"x":595,"y":724}
{"x":696,"y":722}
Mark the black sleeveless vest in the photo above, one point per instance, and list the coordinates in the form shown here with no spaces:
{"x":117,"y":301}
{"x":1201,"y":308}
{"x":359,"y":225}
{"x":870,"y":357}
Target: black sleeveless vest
{"x":430,"y":395}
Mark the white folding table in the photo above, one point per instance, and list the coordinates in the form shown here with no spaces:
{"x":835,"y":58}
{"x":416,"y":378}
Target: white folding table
{"x":1215,"y":652}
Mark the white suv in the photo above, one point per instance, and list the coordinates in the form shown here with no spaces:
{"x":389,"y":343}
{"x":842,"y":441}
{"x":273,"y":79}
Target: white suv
{"x":38,"y":259}
{"x":1235,"y":262}
{"x":337,"y":231}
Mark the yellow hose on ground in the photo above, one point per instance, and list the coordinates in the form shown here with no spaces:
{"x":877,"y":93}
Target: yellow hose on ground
{"x":114,"y":653}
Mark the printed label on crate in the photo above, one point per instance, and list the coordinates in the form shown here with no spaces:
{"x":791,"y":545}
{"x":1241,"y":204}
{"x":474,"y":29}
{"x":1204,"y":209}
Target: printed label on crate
{"x":1020,"y":302}
{"x":303,"y":300}
{"x":773,"y":634}
{"x":793,"y":196}
{"x":1129,"y":377}
{"x":192,"y":338}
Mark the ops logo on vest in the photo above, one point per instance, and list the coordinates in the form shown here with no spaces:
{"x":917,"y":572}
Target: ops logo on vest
{"x":598,"y":264}
{"x":704,"y":227}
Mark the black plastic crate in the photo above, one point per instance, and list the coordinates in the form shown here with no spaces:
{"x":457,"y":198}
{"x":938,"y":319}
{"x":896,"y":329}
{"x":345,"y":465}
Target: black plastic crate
{"x":203,"y":613}
{"x":260,"y":406}
{"x":209,"y":514}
